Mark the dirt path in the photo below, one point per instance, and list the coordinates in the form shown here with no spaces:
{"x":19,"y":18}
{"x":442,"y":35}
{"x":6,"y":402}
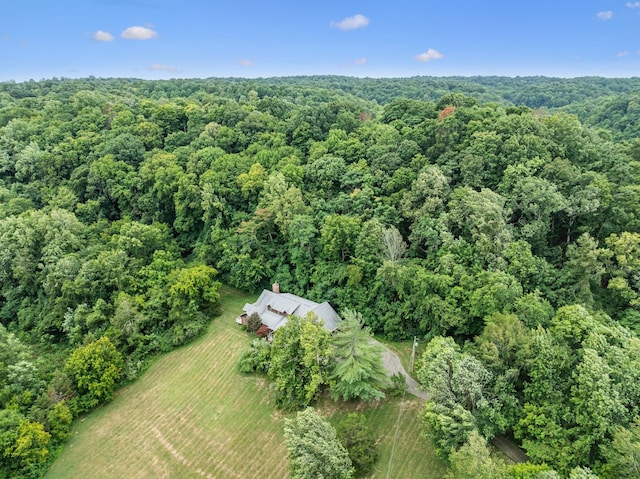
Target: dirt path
{"x":394,"y":366}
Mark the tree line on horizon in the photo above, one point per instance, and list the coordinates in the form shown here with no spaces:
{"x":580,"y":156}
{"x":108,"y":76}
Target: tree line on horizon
{"x":505,"y":235}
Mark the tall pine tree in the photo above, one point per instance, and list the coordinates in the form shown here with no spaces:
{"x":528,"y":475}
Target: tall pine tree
{"x":358,"y":371}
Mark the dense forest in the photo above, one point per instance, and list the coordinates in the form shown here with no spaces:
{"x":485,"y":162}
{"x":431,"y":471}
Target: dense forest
{"x":497,"y":219}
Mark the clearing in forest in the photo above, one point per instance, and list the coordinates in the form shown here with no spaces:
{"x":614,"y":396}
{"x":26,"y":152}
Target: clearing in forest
{"x":192,"y":414}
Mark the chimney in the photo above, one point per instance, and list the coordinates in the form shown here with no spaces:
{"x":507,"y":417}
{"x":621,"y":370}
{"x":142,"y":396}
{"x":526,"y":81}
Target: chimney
{"x":276,"y":288}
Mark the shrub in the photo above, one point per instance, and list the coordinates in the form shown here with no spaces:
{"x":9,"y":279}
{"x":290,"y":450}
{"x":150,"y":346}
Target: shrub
{"x":398,"y":385}
{"x":254,"y":322}
{"x":358,"y":439}
{"x":256,"y":358}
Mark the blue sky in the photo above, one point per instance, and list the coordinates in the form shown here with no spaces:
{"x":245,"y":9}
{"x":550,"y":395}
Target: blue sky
{"x":247,"y":38}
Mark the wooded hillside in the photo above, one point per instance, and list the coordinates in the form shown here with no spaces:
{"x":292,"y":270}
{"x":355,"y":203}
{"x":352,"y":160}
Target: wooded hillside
{"x":469,"y":212}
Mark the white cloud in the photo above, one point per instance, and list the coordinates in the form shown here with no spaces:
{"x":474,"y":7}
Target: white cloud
{"x":138,"y":33}
{"x":360,"y":61}
{"x":351,"y":23}
{"x":160,"y":67}
{"x":608,"y":15}
{"x":429,"y":55}
{"x":101,"y":36}
{"x":622,"y":54}
{"x":245,"y":63}
{"x":633,"y":4}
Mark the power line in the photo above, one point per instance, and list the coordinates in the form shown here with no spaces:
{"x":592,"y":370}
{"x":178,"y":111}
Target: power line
{"x":395,"y":437}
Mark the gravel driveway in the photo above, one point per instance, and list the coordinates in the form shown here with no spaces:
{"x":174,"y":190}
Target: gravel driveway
{"x":393,"y":366}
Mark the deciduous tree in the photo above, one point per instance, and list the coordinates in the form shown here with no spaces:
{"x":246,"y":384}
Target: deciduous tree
{"x":95,"y":370}
{"x":314,"y":448}
{"x":300,"y":357}
{"x":474,"y":461}
{"x":623,"y":454}
{"x":357,"y":438}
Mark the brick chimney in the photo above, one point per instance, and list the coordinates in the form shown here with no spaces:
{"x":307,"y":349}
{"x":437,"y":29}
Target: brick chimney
{"x":276,"y":288}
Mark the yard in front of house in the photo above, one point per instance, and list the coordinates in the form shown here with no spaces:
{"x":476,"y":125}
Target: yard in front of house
{"x":192,"y":414}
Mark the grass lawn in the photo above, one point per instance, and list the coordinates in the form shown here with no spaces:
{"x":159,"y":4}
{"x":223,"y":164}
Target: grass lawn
{"x":403,"y":452}
{"x":192,"y":415}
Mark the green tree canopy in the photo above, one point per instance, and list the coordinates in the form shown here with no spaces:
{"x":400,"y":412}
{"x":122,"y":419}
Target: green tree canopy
{"x":358,"y":371}
{"x":314,"y":449}
{"x":301,"y":354}
{"x":95,"y":370}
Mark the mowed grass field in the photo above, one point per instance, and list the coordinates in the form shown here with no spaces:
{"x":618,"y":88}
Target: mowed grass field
{"x":192,"y":414}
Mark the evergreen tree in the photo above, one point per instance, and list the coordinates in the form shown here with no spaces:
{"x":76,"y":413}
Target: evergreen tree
{"x":358,"y":371}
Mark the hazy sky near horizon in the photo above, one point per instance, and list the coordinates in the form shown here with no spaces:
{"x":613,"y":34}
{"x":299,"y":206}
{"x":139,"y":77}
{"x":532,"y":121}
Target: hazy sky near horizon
{"x":196,"y":38}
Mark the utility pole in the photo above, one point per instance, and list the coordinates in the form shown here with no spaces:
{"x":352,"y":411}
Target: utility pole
{"x":413,"y":352}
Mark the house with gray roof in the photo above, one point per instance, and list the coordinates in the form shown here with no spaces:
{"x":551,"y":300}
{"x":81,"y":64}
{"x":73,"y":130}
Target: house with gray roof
{"x":274,"y":307}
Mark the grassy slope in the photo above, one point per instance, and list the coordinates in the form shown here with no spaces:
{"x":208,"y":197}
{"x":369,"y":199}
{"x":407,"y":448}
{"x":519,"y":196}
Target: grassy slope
{"x":192,"y":414}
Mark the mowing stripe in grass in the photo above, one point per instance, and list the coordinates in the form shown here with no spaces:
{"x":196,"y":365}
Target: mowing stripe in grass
{"x":192,"y":414}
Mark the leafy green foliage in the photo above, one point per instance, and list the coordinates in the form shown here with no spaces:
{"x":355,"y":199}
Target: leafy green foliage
{"x":24,"y":445}
{"x":301,"y":355}
{"x":359,"y":442}
{"x":358,"y":371}
{"x":582,"y":473}
{"x":256,"y":358}
{"x":117,"y":199}
{"x":474,"y":461}
{"x":623,"y":454}
{"x":528,"y":470}
{"x":58,"y":422}
{"x":192,"y":293}
{"x":314,"y":448}
{"x":458,"y":380}
{"x":580,"y":357}
{"x":95,"y":370}
{"x":447,"y":427}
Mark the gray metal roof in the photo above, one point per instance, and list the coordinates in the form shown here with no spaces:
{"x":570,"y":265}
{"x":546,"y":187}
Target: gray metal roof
{"x":290,"y":304}
{"x":272,"y":320}
{"x":325,"y":312}
{"x":283,"y":304}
